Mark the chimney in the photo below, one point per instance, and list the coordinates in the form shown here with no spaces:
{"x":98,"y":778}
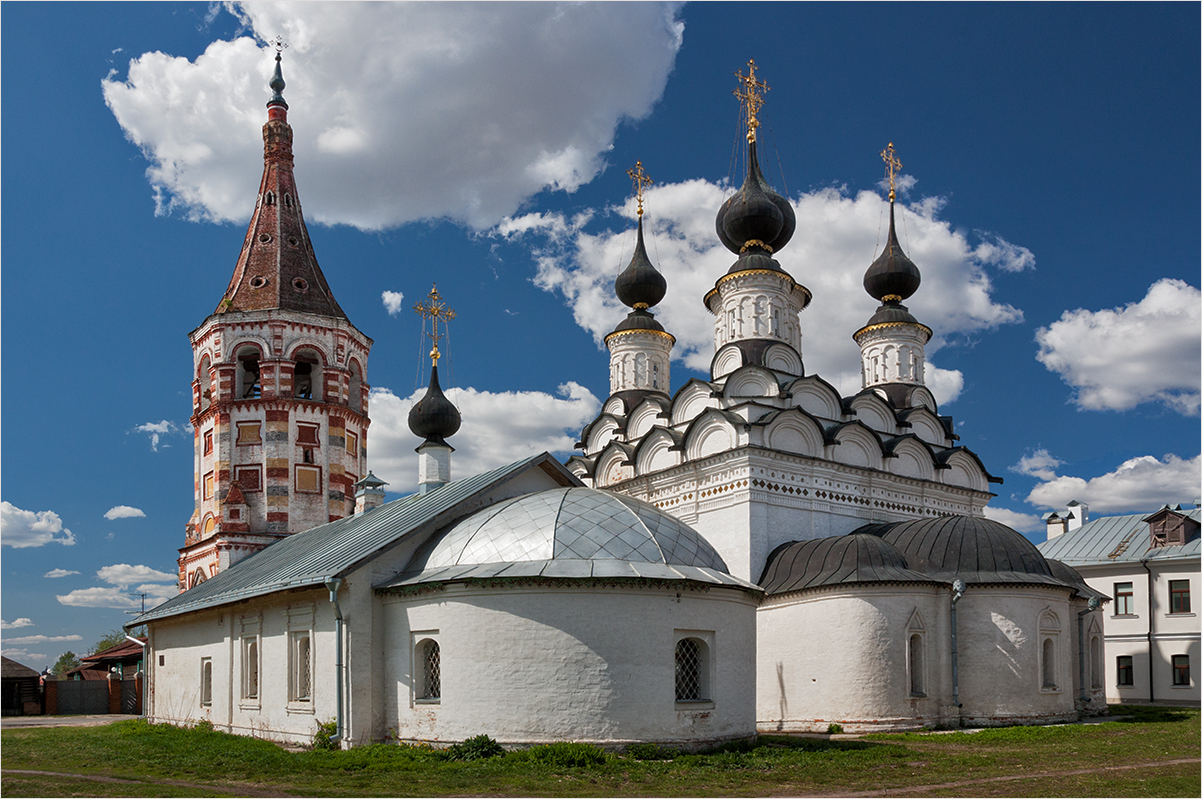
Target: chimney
{"x":369,"y":493}
{"x":1057,"y":525}
{"x":1077,"y":514}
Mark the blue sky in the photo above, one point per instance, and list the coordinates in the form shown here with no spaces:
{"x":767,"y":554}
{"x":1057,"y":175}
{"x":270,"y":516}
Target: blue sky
{"x":1051,"y":170}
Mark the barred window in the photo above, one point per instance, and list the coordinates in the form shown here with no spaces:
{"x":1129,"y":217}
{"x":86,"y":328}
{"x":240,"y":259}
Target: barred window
{"x":301,"y":673}
{"x":431,"y":666}
{"x":689,"y":670}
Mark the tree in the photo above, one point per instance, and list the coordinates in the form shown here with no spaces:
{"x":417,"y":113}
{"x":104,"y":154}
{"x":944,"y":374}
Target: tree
{"x":64,"y":664}
{"x":109,"y":640}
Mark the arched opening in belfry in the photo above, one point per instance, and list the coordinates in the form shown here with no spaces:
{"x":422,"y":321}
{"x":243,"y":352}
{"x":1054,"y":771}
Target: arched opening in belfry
{"x":249,"y":385}
{"x":306,"y":375}
{"x":206,"y":383}
{"x":355,"y":400}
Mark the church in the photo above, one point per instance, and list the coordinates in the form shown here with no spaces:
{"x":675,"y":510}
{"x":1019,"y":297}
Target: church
{"x":749,"y":553}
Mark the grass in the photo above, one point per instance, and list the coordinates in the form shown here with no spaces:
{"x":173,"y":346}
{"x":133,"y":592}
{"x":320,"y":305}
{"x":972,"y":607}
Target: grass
{"x":1072,"y":760}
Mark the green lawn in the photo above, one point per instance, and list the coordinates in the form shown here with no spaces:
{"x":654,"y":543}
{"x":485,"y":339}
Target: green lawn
{"x":1126,"y":757}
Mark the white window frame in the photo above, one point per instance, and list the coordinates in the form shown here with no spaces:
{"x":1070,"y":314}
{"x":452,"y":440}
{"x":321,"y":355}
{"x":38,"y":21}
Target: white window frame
{"x":417,"y":649}
{"x":252,"y":671}
{"x":300,"y":661}
{"x":206,"y":682}
{"x":706,"y":671}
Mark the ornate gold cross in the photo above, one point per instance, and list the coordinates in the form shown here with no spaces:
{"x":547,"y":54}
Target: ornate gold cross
{"x":434,"y":310}
{"x":751,"y":97}
{"x":639,"y":177}
{"x":894,"y":164}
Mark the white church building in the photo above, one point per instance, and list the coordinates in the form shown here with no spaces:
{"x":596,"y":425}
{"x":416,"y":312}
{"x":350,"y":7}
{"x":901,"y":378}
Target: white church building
{"x":752,"y":552}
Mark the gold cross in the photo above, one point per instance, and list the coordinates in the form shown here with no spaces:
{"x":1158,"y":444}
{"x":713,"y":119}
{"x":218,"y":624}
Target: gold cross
{"x":750,"y":94}
{"x":894,"y":164}
{"x":639,"y":177}
{"x":434,"y":310}
{"x":278,"y":43}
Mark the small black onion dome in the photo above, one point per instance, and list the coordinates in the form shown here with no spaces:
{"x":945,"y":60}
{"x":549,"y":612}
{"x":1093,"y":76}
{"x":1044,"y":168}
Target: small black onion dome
{"x":892,"y":273}
{"x":433,"y":417}
{"x":639,"y":320}
{"x":755,"y":258}
{"x":755,"y":212}
{"x":277,"y":85}
{"x":640,"y":283}
{"x":892,"y":311}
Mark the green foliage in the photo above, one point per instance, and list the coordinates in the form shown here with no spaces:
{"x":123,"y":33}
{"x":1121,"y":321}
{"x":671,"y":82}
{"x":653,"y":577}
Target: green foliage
{"x":326,"y":736}
{"x":834,"y":729}
{"x":479,"y":747}
{"x":108,"y":641}
{"x":652,"y":752}
{"x":566,"y":754}
{"x":204,"y":725}
{"x":65,"y":663}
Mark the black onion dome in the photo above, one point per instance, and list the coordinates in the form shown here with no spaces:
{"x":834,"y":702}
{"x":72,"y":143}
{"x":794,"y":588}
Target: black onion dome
{"x":755,"y":212}
{"x":277,"y":85}
{"x":837,"y":560}
{"x":433,"y":417}
{"x":892,"y":311}
{"x":639,"y":320}
{"x":892,"y":273}
{"x":973,"y":548}
{"x":640,"y":283}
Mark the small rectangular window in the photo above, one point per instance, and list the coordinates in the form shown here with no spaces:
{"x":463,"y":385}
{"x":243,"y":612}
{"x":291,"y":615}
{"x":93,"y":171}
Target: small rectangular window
{"x":249,"y":478}
{"x":250,"y":668}
{"x":300,"y":673}
{"x":249,"y":433}
{"x":1125,"y":669}
{"x":308,"y":479}
{"x":306,"y":435}
{"x":1179,"y":596}
{"x":1124,"y":599}
{"x":208,"y":442}
{"x":206,"y":681}
{"x":1180,"y":669}
{"x":208,"y":486}
{"x":352,"y":444}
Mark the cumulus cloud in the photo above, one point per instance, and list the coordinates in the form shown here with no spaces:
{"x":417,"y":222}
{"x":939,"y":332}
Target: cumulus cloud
{"x":123,"y":575}
{"x":24,"y":656}
{"x":392,"y":301}
{"x":100,"y":598}
{"x":23,"y":528}
{"x":15,"y":624}
{"x":1147,"y":351}
{"x":1139,"y":484}
{"x":42,"y":639}
{"x":482,"y":105}
{"x":1039,"y":463}
{"x":123,"y":512}
{"x":498,"y":428}
{"x":836,"y":240}
{"x":1023,"y":522}
{"x":54,"y":574}
{"x":156,"y":431}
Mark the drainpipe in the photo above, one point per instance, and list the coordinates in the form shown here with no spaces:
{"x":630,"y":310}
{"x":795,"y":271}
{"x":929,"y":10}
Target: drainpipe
{"x":335,"y":583}
{"x":1094,"y":602}
{"x":958,"y":587}
{"x":1151,"y":630}
{"x":145,"y":673}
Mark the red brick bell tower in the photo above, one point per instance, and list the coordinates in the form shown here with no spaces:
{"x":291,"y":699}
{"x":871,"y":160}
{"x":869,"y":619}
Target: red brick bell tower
{"x":279,"y":390}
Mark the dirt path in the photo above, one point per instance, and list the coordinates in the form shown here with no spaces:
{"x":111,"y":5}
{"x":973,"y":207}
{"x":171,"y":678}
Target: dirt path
{"x":233,"y":788}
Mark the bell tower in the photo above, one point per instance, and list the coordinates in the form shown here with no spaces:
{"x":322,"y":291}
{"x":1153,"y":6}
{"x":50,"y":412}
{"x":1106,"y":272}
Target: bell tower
{"x":279,"y":390}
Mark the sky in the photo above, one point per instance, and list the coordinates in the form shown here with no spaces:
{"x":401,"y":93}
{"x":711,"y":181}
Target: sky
{"x":1048,"y":195}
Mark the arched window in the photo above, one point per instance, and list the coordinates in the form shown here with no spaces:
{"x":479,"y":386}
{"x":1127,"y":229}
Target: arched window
{"x":306,"y":381}
{"x":1095,"y":662}
{"x":692,"y":670}
{"x":206,"y":383}
{"x":269,"y":198}
{"x":917,"y":666}
{"x":356,"y":388}
{"x":206,"y":681}
{"x":197,"y":578}
{"x":430,"y":670}
{"x":250,"y":668}
{"x":248,"y":383}
{"x":1049,"y":663}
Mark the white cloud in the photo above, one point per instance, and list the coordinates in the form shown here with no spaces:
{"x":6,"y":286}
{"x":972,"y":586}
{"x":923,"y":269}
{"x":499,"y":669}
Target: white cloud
{"x":156,"y":431}
{"x":100,"y":598}
{"x":24,"y":657}
{"x":1039,"y":463}
{"x":158,"y":592}
{"x":483,"y":105}
{"x":1023,"y":522}
{"x":15,"y":624}
{"x":54,"y":574}
{"x":836,"y":240}
{"x":392,"y":301}
{"x":124,"y":575}
{"x":1148,"y":351}
{"x":123,"y":512}
{"x":498,"y":428}
{"x":1140,"y":484}
{"x":42,"y":639}
{"x":23,"y":528}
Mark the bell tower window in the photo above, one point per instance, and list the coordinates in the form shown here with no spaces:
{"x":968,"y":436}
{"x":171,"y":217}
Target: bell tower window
{"x":206,"y":383}
{"x":306,"y":375}
{"x":355,"y":400}
{"x":248,"y":385}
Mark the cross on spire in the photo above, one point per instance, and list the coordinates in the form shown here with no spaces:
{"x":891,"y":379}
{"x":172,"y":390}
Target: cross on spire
{"x":894,"y":165}
{"x":751,"y":97}
{"x":639,"y":177}
{"x":434,"y":310}
{"x":278,"y":43}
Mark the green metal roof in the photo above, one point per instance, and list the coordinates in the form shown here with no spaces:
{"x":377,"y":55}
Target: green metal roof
{"x":308,"y":558}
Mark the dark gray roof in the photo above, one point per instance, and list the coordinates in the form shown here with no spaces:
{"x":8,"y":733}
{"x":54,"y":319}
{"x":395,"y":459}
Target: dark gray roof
{"x":837,"y":560}
{"x":972,"y":548}
{"x":1117,"y":539}
{"x":308,"y":558}
{"x":12,"y":670}
{"x":1069,"y":575}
